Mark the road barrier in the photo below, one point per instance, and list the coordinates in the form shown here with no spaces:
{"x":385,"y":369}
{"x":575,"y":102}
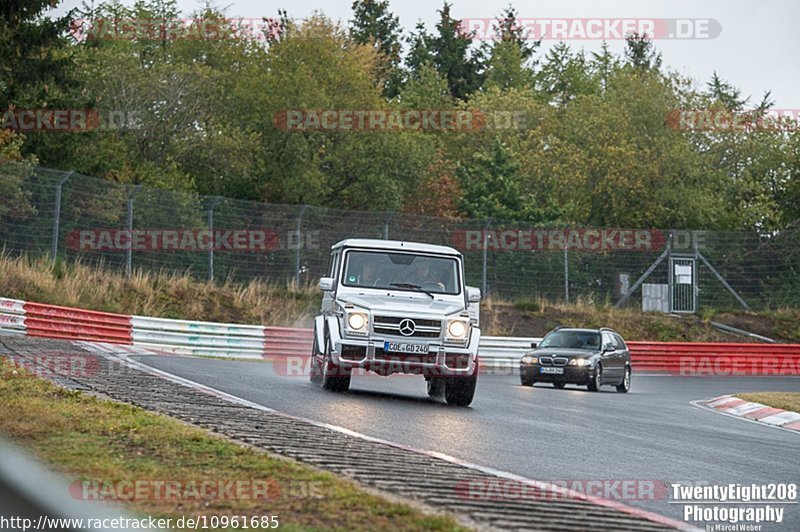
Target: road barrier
{"x":202,"y":338}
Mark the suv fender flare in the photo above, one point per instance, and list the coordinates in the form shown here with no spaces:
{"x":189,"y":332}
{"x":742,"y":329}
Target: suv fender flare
{"x":319,"y":333}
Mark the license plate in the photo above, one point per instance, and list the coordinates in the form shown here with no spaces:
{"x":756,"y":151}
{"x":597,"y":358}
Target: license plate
{"x":557,"y":371}
{"x":402,"y":347}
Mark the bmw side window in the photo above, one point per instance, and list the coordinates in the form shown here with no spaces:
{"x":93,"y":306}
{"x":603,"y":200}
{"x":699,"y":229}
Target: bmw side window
{"x":608,"y":342}
{"x":620,"y":343}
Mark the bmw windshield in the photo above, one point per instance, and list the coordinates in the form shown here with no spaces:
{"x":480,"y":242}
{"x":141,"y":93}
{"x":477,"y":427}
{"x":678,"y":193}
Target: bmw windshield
{"x":572,"y":340}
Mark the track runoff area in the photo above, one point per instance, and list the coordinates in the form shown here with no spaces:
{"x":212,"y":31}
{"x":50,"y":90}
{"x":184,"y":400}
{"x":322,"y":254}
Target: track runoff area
{"x":518,"y":458}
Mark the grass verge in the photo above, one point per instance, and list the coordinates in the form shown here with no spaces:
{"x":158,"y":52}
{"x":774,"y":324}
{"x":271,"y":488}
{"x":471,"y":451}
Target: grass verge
{"x":181,"y":296}
{"x":784,"y":400}
{"x":157,"y":294}
{"x":103,"y":442}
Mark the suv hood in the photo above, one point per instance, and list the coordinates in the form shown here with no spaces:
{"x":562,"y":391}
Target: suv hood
{"x":419,"y":303}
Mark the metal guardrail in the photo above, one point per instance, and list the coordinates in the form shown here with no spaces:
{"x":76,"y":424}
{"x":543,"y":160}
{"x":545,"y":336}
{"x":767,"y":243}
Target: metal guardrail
{"x":256,"y":341}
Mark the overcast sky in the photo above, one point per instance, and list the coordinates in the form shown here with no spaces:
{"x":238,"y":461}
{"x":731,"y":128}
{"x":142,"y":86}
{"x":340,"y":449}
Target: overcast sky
{"x":757,"y":49}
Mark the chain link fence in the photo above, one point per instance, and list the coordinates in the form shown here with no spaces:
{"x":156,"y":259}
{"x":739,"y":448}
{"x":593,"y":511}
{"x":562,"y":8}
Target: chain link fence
{"x":125,"y":227}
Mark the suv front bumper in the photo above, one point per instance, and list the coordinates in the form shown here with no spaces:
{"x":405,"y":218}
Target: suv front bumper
{"x":441,"y":359}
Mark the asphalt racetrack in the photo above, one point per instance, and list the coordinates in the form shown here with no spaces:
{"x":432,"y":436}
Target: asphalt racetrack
{"x":652,"y":433}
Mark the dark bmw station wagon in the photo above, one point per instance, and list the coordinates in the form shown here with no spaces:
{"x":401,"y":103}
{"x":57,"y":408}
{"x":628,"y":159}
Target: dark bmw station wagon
{"x":587,"y":357}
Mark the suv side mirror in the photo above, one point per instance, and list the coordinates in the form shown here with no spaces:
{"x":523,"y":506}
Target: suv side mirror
{"x":473,"y":294}
{"x":326,"y":284}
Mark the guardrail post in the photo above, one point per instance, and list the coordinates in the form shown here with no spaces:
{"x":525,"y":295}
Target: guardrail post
{"x":299,"y":246}
{"x":214,"y":202}
{"x":57,"y":215}
{"x":129,"y":257}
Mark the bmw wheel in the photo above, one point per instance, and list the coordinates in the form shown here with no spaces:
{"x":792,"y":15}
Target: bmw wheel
{"x":597,"y":379}
{"x":625,"y":385}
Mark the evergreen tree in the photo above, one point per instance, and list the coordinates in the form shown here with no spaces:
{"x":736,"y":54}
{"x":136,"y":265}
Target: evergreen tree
{"x":510,"y":55}
{"x":452,"y":57}
{"x":35,"y":61}
{"x":640,"y":52}
{"x":374,"y":24}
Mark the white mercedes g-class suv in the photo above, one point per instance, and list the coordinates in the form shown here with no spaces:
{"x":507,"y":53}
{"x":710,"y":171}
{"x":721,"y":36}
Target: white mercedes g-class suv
{"x":398,"y":307}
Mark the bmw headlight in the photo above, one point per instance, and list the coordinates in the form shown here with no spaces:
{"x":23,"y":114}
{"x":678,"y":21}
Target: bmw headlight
{"x":579,"y":362}
{"x":528,"y":359}
{"x":357,"y":322}
{"x":457,"y":330}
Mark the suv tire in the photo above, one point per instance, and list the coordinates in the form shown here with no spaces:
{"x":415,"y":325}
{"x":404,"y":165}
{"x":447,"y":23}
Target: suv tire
{"x":334,"y":378}
{"x":459,"y":391}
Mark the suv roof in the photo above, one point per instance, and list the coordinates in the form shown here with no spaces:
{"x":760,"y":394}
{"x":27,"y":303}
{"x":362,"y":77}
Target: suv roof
{"x":398,"y":245}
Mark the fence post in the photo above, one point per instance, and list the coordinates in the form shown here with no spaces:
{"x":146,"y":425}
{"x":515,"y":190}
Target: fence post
{"x":566,"y":272}
{"x":670,"y":273}
{"x":386,"y":225}
{"x":129,"y":258}
{"x":57,"y":215}
{"x":484,"y":287}
{"x":214,"y":202}
{"x":299,"y":246}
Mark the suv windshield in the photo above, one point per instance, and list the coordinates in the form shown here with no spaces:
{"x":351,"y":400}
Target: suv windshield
{"x":402,"y":271}
{"x":572,"y":340}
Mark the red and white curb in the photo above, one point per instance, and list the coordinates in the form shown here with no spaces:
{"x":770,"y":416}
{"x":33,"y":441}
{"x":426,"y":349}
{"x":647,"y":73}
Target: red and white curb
{"x":756,"y":412}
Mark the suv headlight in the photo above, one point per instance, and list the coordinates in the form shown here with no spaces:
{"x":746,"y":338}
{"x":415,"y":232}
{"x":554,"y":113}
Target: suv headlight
{"x":356,"y":322}
{"x":457,"y":330}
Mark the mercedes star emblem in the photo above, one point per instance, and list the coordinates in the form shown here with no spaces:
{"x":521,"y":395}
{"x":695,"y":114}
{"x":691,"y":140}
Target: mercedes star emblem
{"x":407,"y":327}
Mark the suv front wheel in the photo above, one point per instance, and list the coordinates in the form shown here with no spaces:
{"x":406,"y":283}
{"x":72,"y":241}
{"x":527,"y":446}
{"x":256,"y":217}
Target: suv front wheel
{"x":459,"y":391}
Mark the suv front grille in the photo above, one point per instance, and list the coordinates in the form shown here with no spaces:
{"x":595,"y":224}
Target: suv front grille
{"x":391,"y":325}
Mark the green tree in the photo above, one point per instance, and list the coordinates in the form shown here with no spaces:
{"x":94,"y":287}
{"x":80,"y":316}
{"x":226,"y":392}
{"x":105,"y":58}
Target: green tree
{"x":450,"y":48}
{"x":640,"y":52}
{"x":374,"y":24}
{"x":564,"y":75}
{"x":510,"y":57}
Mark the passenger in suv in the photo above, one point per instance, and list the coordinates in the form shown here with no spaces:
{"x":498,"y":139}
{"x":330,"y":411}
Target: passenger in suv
{"x":398,"y":307}
{"x":591,"y":357}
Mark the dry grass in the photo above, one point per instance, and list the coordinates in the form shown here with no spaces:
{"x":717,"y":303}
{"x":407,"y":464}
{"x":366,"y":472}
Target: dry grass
{"x":784,"y":400}
{"x":100,"y":441}
{"x":535,"y":317}
{"x":162,"y":294}
{"x":180,"y":296}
